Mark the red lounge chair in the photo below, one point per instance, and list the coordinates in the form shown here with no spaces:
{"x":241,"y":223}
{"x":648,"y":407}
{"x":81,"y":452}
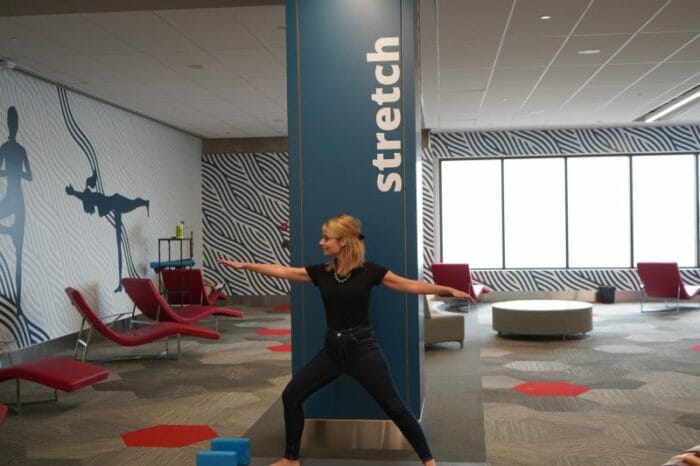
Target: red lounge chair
{"x":186,"y":286}
{"x":58,"y":373}
{"x":146,"y":334}
{"x":663,"y":280}
{"x":458,"y":276}
{"x":146,"y":298}
{"x":3,"y":412}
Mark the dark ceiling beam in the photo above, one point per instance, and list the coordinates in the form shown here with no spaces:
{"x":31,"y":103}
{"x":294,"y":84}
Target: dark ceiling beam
{"x":245,"y":145}
{"x":54,"y":7}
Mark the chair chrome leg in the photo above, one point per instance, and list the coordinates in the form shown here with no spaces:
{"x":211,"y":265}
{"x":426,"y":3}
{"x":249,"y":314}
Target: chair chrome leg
{"x":18,"y":397}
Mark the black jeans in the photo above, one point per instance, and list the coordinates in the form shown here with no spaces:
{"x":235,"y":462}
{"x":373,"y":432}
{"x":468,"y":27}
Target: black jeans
{"x":354,"y":352}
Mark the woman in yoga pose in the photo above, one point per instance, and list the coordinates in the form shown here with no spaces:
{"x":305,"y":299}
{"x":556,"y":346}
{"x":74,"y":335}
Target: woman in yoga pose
{"x":345,"y":283}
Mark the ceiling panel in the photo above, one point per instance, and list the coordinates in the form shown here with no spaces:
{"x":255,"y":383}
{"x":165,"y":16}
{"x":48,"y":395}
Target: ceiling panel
{"x":250,"y":62}
{"x":567,"y":77}
{"x":668,"y":74}
{"x":652,"y":48}
{"x":605,"y":45}
{"x":618,"y":75}
{"x":618,"y":16}
{"x":593,"y":96}
{"x":678,"y":15}
{"x":266,"y":23}
{"x":193,"y":65}
{"x":77,"y":33}
{"x":231,"y":89}
{"x":143,"y":30}
{"x":211,"y":29}
{"x":485,"y":63}
{"x":526,"y":20}
{"x":468,"y":54}
{"x":529,"y":51}
{"x":472,"y":79}
{"x":18,"y":41}
{"x":139,"y":67}
{"x":460,"y":105}
{"x":691,"y":52}
{"x":472,"y":19}
{"x":507,"y":79}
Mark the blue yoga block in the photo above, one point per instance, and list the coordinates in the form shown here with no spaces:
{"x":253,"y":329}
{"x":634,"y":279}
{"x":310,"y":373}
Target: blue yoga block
{"x":217,"y":458}
{"x":240,"y":445}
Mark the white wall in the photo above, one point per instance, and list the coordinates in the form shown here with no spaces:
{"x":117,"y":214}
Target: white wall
{"x":65,"y":135}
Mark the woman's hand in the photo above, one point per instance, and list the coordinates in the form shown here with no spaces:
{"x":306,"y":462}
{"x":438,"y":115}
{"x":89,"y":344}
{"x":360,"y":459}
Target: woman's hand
{"x":461,"y":294}
{"x":234,"y":264}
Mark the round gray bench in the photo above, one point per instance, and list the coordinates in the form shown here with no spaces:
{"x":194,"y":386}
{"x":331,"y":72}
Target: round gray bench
{"x":542,"y":317}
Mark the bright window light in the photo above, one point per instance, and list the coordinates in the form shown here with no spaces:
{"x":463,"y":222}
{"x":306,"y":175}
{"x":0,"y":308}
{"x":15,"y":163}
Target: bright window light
{"x":599,"y":211}
{"x":664,"y":208}
{"x":535,"y":233}
{"x":471,"y":212}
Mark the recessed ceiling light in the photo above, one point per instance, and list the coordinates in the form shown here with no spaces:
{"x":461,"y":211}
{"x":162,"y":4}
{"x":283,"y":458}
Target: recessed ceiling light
{"x":589,"y":52}
{"x":196,"y":67}
{"x":545,"y":17}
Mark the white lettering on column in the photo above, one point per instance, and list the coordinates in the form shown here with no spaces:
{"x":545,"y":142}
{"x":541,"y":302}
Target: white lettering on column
{"x":387,"y":72}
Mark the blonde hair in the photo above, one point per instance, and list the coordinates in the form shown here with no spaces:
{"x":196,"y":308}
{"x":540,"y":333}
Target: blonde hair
{"x":352,"y":256}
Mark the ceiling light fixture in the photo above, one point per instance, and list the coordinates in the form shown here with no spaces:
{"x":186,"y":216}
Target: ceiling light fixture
{"x":679,"y":103}
{"x":589,"y":52}
{"x":545,"y":17}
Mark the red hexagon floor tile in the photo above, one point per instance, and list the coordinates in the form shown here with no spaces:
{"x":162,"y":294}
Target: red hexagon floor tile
{"x":169,"y":436}
{"x":284,"y":348}
{"x":550,"y":389}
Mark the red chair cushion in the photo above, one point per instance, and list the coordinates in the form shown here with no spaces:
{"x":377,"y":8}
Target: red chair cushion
{"x":56,"y":372}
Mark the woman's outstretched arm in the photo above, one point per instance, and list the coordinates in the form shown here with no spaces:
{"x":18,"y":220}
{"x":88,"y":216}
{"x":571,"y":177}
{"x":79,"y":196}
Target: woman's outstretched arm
{"x":406,"y":285}
{"x":296,"y":274}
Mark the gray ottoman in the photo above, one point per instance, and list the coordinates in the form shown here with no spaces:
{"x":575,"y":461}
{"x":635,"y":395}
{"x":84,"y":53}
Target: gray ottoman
{"x":542,"y":317}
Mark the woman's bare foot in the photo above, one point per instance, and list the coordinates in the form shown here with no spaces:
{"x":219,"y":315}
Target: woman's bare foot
{"x":286,"y":462}
{"x":430,"y":463}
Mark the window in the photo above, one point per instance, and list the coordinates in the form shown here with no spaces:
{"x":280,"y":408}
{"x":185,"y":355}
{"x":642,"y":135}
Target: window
{"x":534,"y":213}
{"x":598,"y":211}
{"x":472,"y":213}
{"x":664,"y":209}
{"x":578,"y":212}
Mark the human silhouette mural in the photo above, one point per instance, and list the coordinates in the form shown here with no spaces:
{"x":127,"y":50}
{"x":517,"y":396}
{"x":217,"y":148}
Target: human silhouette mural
{"x":14,"y":167}
{"x":115,"y":204}
{"x":15,"y":171}
{"x":93,"y":197}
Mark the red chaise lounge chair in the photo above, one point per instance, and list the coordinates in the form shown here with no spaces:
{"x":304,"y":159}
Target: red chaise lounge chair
{"x":140,"y":336}
{"x":186,"y":286}
{"x":663,"y":280}
{"x":59,"y":373}
{"x":458,"y":276}
{"x":146,"y":298}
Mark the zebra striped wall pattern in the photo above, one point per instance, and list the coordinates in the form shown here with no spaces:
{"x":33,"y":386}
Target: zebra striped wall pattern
{"x":245,"y":201}
{"x":246,"y":197}
{"x":549,"y":142}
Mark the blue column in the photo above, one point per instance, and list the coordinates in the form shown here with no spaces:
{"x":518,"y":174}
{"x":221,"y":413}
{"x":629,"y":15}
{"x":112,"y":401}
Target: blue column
{"x":353,"y":138}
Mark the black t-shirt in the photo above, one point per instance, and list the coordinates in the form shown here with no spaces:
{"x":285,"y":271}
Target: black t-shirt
{"x":347,"y":303}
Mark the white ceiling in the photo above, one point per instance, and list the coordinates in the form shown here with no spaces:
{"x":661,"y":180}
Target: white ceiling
{"x":220,"y":72}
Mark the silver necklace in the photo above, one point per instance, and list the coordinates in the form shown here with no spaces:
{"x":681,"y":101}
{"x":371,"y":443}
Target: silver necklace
{"x":340,"y":279}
